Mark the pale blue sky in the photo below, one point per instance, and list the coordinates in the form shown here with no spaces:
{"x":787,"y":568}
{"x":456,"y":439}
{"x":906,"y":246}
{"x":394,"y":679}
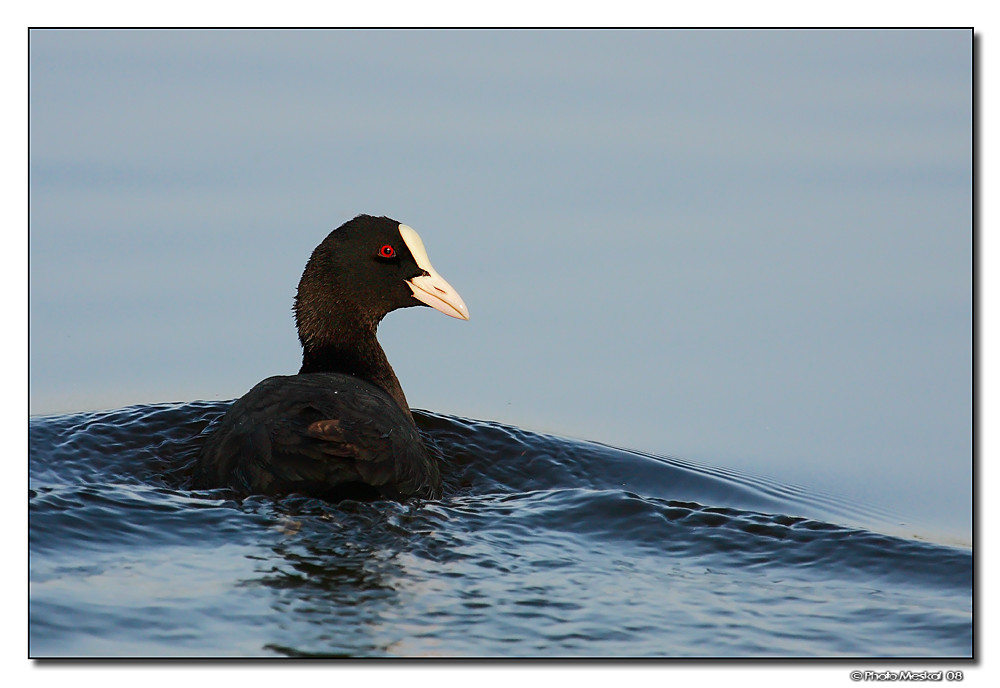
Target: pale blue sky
{"x":749,"y":249}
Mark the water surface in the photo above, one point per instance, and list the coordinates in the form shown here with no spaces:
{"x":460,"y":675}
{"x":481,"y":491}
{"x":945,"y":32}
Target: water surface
{"x":541,"y":546}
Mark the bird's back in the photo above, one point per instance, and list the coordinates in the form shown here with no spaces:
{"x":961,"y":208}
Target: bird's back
{"x":327,"y":435}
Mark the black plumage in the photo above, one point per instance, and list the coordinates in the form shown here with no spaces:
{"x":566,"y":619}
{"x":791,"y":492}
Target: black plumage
{"x":341,"y":427}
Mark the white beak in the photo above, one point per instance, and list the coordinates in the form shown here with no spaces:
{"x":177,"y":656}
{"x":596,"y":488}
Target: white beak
{"x":431,"y":289}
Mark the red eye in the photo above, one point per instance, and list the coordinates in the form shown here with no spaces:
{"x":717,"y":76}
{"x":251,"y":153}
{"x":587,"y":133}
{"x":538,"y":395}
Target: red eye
{"x":387,"y":251}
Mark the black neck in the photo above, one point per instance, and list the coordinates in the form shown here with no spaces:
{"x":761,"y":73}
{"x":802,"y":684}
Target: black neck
{"x":353,"y":352}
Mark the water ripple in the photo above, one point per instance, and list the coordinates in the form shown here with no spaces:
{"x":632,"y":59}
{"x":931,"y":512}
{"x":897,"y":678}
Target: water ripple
{"x":541,"y":546}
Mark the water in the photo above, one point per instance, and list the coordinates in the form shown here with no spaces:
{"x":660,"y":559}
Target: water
{"x":542,"y":546}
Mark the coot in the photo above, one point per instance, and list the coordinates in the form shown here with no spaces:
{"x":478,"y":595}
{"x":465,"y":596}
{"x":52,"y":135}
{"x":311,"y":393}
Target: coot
{"x":341,"y":428}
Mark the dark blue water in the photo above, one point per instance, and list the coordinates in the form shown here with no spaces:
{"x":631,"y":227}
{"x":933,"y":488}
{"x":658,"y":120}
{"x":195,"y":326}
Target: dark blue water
{"x":542,"y":546}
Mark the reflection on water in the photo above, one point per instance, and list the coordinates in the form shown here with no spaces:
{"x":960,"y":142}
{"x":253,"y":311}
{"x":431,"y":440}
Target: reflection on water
{"x":541,"y":546}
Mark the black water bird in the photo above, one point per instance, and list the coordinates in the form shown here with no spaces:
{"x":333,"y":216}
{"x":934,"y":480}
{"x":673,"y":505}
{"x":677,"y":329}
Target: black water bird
{"x":341,"y":428}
